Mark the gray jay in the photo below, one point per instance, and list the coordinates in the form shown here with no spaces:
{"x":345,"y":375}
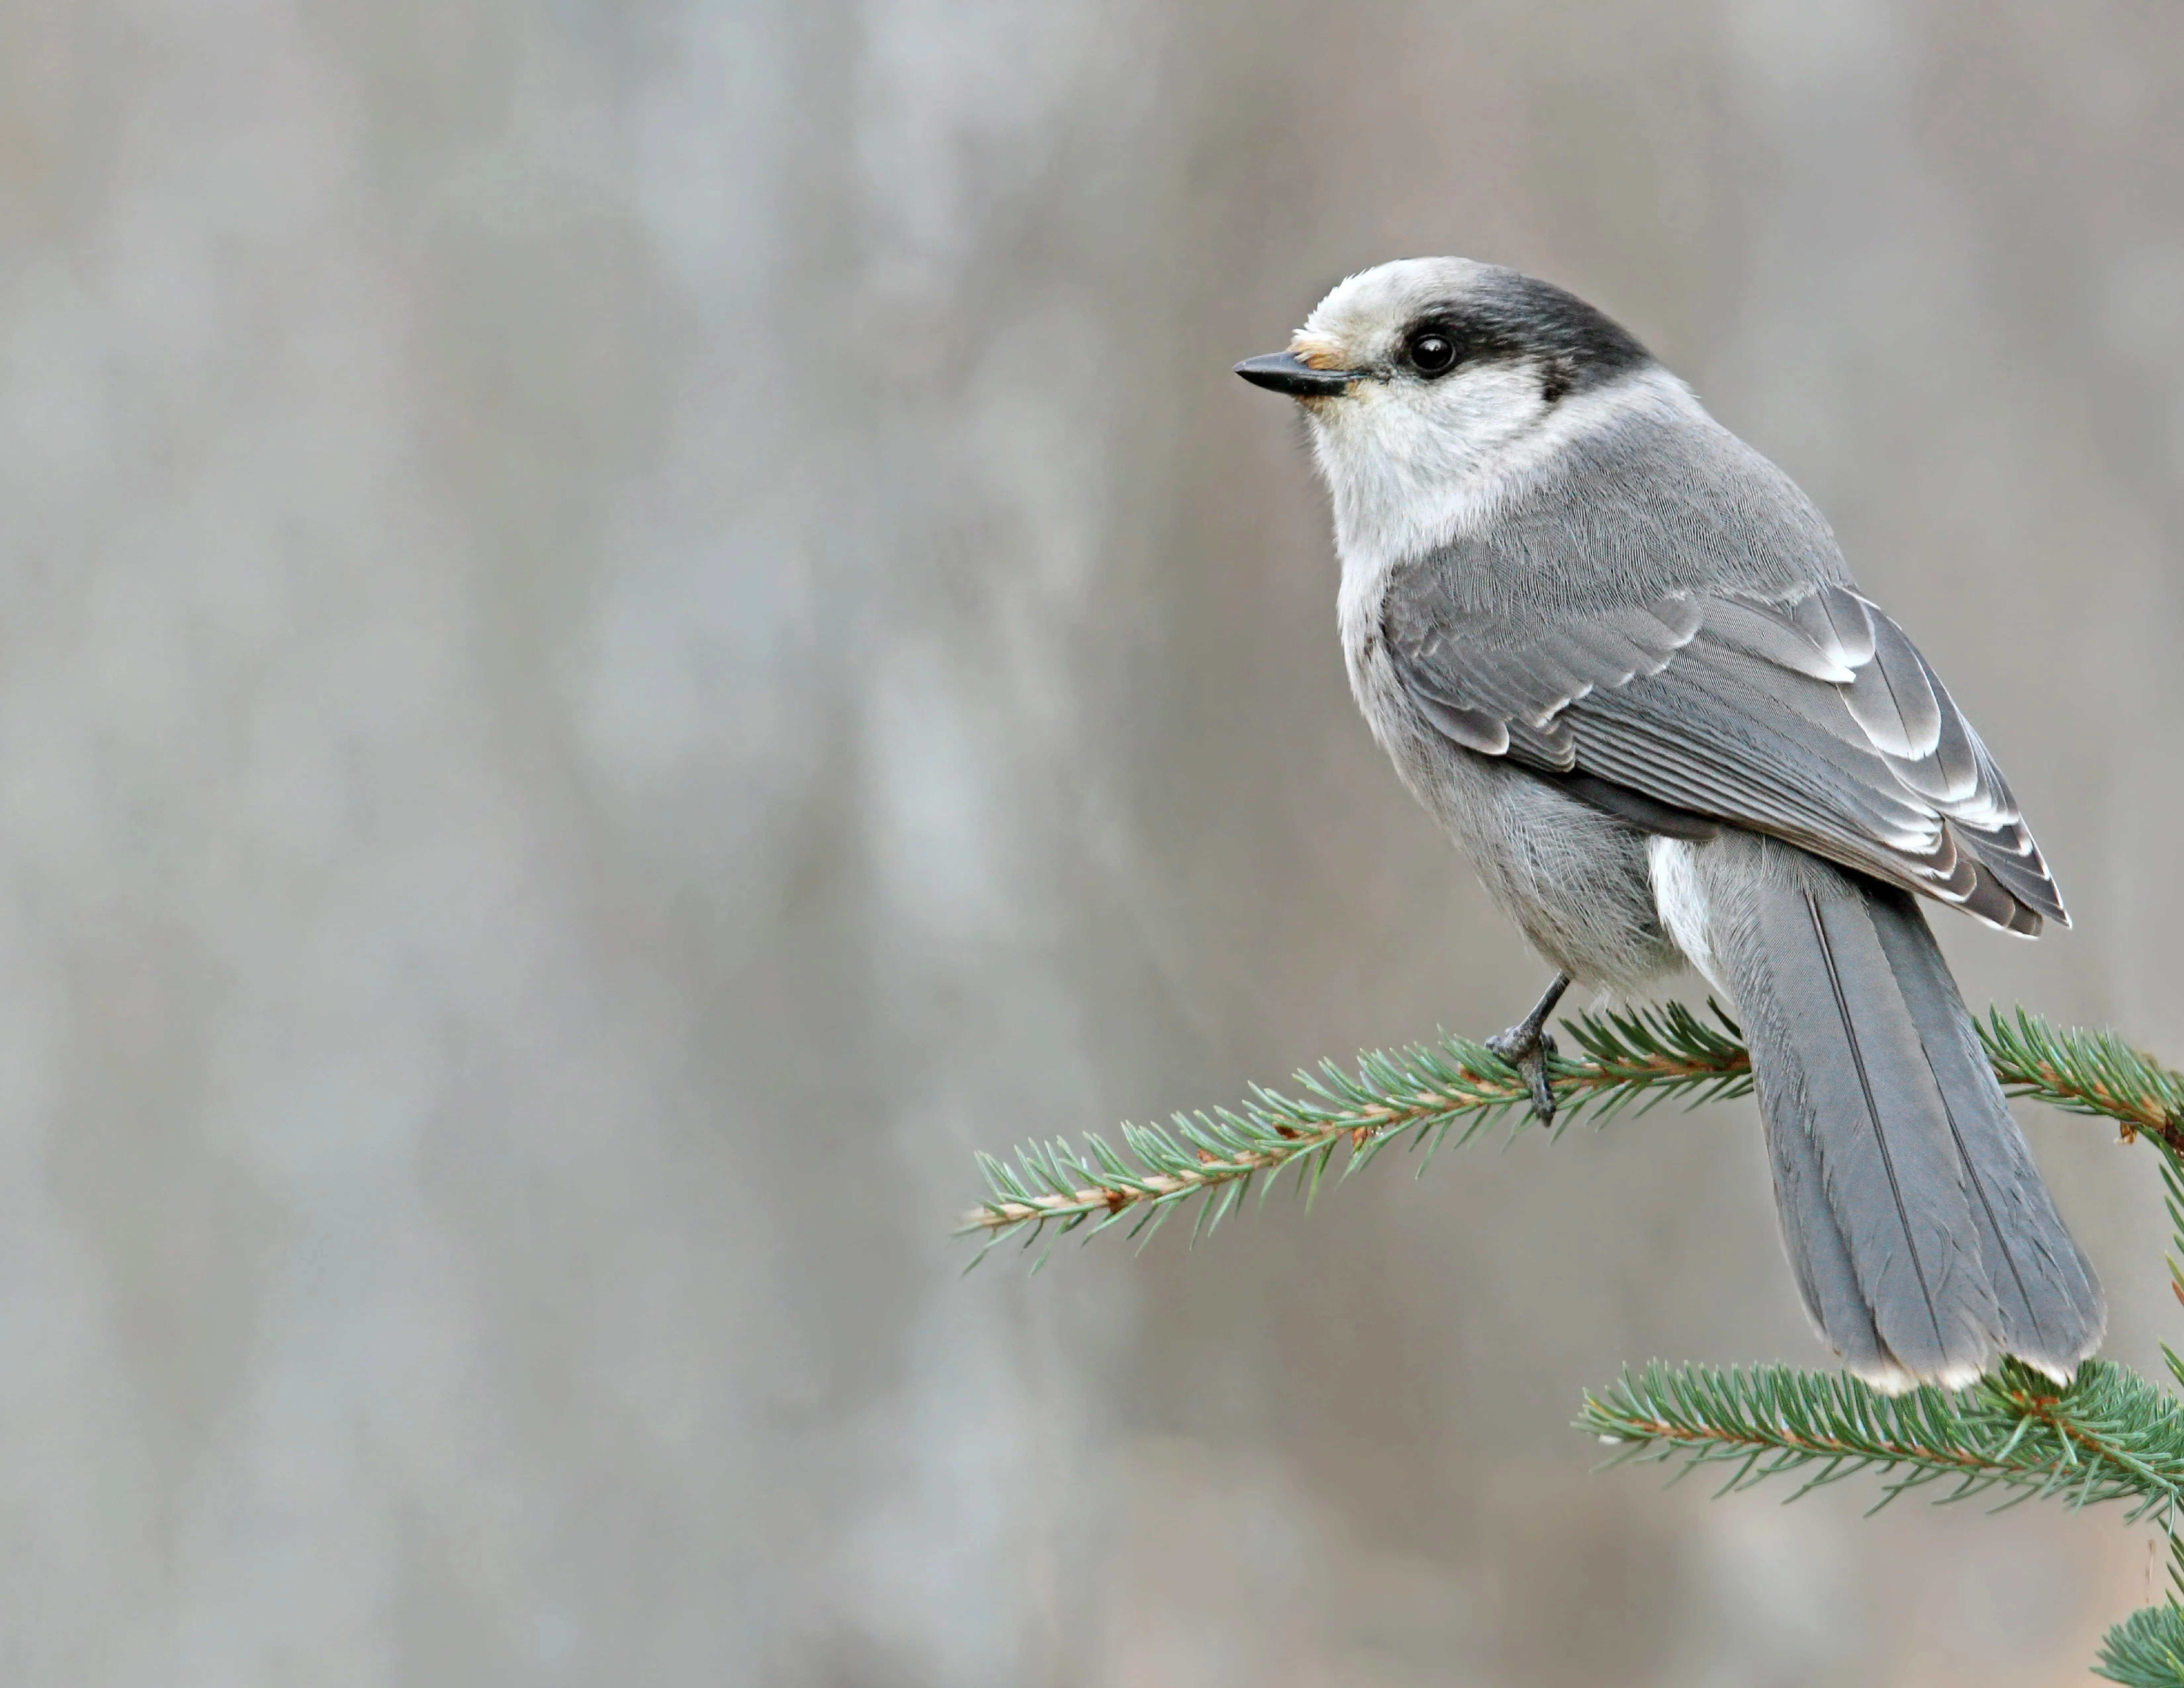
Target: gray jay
{"x":1617,"y":655}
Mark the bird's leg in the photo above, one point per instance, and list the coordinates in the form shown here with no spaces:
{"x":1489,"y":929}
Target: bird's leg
{"x":1528,"y":1046}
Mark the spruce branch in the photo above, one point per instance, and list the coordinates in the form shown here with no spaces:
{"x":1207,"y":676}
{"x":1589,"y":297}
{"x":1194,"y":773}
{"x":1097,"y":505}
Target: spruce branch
{"x":1428,"y":1094}
{"x":1423,"y":1093}
{"x":2086,"y":1073}
{"x":2146,"y":1649}
{"x":2107,"y":1435}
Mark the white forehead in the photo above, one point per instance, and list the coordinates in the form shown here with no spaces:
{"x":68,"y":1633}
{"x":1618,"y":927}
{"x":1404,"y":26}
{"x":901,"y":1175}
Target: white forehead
{"x":1374,"y":303}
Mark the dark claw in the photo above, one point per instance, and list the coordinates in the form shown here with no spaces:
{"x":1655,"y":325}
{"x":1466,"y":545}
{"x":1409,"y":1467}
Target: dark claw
{"x":1543,"y":1092}
{"x":1529,"y":1047}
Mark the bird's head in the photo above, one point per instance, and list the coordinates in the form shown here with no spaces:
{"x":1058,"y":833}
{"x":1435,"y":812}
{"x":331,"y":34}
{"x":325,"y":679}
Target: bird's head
{"x":1420,"y":373}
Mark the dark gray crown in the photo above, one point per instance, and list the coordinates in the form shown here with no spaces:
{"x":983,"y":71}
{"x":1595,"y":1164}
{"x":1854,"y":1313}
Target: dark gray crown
{"x":1505,"y":315}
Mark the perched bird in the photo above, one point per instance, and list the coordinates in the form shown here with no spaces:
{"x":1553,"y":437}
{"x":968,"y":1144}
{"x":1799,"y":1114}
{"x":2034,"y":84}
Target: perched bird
{"x":1619,"y":656}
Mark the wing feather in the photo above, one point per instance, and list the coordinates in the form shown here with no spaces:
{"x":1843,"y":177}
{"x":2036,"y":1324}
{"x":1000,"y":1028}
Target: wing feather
{"x":1810,"y":716}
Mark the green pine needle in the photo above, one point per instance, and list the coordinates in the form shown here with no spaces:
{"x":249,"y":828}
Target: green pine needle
{"x":2086,"y":1073}
{"x":1431,"y":1094}
{"x":2146,"y":1649}
{"x":2107,"y":1435}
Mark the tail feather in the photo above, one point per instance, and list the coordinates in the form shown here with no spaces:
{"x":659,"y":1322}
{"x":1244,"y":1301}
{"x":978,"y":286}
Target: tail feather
{"x":1866,"y":1099}
{"x":1924,"y":1245}
{"x":2052,"y":1311}
{"x":1827,"y":1279}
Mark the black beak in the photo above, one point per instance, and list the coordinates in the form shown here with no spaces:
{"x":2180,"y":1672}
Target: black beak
{"x":1280,"y":372}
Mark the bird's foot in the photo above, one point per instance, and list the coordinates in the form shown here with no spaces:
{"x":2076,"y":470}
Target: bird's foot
{"x":1529,"y":1047}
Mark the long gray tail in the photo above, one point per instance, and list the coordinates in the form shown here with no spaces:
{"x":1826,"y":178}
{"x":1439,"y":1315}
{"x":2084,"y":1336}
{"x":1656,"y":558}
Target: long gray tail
{"x":1924,"y":1241}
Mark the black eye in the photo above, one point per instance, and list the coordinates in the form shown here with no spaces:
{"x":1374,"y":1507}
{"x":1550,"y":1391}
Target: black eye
{"x":1432,"y":353}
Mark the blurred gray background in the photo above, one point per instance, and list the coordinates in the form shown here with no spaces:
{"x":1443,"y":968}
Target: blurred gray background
{"x":625,"y":630}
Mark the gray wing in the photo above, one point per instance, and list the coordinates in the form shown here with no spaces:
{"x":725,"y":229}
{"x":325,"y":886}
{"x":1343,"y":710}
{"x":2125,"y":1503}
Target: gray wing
{"x":1809,"y":716}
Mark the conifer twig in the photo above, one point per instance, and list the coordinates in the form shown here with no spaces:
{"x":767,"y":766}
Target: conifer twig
{"x":1425,"y":1092}
{"x":2086,"y":1073}
{"x":1422,"y":1092}
{"x":2107,"y":1435}
{"x":2146,"y":1649}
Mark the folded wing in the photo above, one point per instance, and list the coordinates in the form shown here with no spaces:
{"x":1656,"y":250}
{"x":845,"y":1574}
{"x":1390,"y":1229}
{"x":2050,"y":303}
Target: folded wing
{"x":1810,"y":716}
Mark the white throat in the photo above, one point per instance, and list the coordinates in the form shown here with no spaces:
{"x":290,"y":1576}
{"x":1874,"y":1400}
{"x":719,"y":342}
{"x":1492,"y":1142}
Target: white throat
{"x":1408,"y":477}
